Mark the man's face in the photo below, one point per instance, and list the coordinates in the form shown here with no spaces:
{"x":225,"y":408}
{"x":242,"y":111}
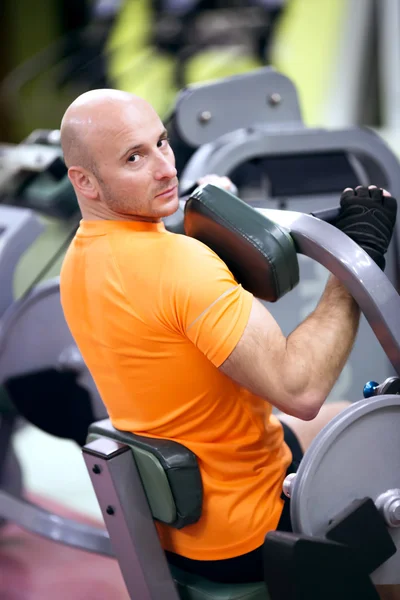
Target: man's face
{"x":136,"y":165}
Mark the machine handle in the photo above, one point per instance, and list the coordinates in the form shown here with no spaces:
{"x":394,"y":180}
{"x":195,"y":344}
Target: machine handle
{"x":329,"y":215}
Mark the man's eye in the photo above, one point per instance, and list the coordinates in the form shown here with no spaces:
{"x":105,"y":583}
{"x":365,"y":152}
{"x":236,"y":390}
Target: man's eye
{"x":133,"y":158}
{"x":162,"y":143}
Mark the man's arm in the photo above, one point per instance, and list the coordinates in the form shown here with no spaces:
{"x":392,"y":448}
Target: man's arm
{"x":296,"y":373}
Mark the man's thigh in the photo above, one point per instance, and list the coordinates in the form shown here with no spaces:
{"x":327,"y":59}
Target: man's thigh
{"x":292,"y":441}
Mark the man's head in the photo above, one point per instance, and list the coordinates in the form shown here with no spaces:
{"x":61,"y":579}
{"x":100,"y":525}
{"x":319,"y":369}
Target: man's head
{"x":118,"y":157}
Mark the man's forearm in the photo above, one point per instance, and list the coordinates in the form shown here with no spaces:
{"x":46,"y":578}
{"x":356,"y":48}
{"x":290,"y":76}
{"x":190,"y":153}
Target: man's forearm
{"x":318,"y":349}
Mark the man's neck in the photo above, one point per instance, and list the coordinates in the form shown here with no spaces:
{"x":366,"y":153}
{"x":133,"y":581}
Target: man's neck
{"x":108,"y":215}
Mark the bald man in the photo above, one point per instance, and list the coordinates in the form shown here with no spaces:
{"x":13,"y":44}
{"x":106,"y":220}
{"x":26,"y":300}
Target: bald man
{"x":142,"y":192}
{"x":178,"y":349}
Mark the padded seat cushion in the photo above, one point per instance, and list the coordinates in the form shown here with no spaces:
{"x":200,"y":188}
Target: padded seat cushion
{"x":260,"y":254}
{"x":193,"y":587}
{"x":169,"y":473}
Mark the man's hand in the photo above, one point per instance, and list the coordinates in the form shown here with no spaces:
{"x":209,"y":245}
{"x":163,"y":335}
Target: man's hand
{"x":223,"y":182}
{"x":368,"y":216}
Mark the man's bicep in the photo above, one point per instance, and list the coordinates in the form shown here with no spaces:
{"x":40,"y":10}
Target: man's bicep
{"x":256,"y":362}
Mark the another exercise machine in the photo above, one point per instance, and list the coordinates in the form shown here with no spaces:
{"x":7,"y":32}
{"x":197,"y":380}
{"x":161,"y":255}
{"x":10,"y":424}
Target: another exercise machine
{"x":18,"y":230}
{"x":33,"y":175}
{"x":42,"y":376}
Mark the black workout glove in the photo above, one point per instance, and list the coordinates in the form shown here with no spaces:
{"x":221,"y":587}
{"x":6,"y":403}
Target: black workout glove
{"x":368,"y":217}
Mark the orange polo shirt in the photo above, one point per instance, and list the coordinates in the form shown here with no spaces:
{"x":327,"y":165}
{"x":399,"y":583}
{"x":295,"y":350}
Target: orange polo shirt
{"x":154,"y":315}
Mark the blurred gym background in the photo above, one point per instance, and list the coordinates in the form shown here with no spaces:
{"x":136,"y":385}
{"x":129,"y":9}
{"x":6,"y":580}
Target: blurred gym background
{"x":342,"y":55}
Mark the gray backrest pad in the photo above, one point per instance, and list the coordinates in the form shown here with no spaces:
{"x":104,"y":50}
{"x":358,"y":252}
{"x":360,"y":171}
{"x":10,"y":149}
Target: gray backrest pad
{"x":169,"y":472}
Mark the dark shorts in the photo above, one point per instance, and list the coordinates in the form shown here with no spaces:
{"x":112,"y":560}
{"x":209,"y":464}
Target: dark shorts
{"x":248,"y":567}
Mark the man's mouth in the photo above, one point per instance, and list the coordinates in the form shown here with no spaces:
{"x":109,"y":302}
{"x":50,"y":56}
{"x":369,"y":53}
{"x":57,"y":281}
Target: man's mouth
{"x":168,"y":191}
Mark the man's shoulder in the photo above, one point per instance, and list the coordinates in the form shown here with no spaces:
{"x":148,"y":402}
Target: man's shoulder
{"x":185,"y":246}
{"x":193,"y":259}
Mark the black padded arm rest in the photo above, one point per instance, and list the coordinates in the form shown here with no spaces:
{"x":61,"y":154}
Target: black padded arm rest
{"x":260,"y":254}
{"x":178,"y":463}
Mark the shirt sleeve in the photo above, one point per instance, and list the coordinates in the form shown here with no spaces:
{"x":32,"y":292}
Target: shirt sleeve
{"x":205,"y":302}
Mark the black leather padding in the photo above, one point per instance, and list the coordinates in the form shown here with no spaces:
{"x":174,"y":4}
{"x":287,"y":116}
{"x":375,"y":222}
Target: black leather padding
{"x":260,"y":254}
{"x":178,"y":462}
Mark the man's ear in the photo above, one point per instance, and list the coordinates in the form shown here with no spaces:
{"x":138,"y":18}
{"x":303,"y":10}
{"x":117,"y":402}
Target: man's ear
{"x":83,"y":182}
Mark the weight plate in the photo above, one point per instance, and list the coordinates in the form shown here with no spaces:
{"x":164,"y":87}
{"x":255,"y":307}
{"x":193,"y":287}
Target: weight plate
{"x":356,"y":455}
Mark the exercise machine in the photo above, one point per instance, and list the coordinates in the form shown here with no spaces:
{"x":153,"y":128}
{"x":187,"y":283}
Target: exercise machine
{"x":42,"y":375}
{"x":18,"y":230}
{"x":139,"y":479}
{"x":33,"y":175}
{"x":276,"y":162}
{"x":34,"y":188}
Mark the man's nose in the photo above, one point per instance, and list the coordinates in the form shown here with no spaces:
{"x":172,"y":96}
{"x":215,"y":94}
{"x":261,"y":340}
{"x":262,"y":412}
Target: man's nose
{"x":165,"y":167}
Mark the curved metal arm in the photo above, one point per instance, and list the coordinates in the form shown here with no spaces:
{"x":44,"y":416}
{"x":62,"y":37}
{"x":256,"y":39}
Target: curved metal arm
{"x":369,"y":286}
{"x":19,"y":228}
{"x":53,"y":527}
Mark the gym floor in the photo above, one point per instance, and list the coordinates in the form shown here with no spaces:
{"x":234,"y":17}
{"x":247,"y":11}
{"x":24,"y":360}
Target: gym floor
{"x":32,"y":568}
